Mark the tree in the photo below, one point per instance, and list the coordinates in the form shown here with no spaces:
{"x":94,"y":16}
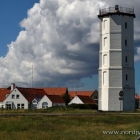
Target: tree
{"x":66,"y":98}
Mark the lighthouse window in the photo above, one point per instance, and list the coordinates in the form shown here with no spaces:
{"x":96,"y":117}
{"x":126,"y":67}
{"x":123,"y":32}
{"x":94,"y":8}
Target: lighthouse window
{"x":125,"y":42}
{"x":105,"y":41}
{"x":105,"y":59}
{"x":126,"y":59}
{"x":125,"y":25}
{"x":126,"y":77}
{"x":105,"y":24}
{"x":104,"y":78}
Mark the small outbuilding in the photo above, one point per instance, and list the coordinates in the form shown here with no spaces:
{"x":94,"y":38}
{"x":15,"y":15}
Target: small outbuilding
{"x":79,"y":99}
{"x":50,"y":101}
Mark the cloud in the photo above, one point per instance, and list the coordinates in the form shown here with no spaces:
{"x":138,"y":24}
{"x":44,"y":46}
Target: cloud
{"x":59,"y":39}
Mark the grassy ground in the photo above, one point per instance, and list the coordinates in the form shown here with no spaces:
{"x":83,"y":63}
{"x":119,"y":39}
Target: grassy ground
{"x":69,"y":127}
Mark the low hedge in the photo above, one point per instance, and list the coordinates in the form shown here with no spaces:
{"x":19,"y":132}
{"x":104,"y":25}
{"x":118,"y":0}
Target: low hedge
{"x":83,"y":106}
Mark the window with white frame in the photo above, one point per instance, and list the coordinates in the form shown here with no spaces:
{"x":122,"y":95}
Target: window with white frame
{"x":17,"y":96}
{"x":105,"y":41}
{"x":105,"y":24}
{"x":18,"y":106}
{"x":22,"y":106}
{"x":104,"y":78}
{"x":105,"y":59}
{"x":13,"y":96}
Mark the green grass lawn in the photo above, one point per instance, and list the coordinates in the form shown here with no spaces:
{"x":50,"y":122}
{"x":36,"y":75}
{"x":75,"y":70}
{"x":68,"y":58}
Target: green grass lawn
{"x":68,"y":127}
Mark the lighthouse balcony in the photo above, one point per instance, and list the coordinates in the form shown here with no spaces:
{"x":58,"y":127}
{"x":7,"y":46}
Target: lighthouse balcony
{"x":116,"y":10}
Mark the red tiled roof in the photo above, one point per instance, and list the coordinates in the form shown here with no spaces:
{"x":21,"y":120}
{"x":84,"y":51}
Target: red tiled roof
{"x":55,"y":91}
{"x":86,"y":99}
{"x":3,"y":89}
{"x":55,"y":98}
{"x":82,"y":93}
{"x":137,"y":96}
{"x":3,"y":93}
{"x":32,"y":93}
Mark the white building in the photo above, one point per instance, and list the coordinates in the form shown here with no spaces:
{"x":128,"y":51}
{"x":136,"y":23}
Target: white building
{"x":28,"y":98}
{"x":116,"y":59}
{"x":50,"y":101}
{"x":80,"y":99}
{"x":23,"y":98}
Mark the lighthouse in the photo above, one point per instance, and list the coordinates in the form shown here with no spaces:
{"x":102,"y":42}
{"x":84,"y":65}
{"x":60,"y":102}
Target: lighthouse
{"x":116,"y":59}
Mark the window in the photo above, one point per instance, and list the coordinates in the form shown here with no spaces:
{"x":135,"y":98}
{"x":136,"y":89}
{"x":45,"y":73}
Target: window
{"x":125,"y":25}
{"x":34,"y":101}
{"x":105,"y":41}
{"x":126,"y":77}
{"x":13,"y":96}
{"x":22,"y":106}
{"x":126,"y":59}
{"x":105,"y":24}
{"x":18,"y":106}
{"x":17,"y":96}
{"x":7,"y":95}
{"x":44,"y":105}
{"x":104,"y":78}
{"x":105,"y":59}
{"x":125,"y":42}
{"x":8,"y":106}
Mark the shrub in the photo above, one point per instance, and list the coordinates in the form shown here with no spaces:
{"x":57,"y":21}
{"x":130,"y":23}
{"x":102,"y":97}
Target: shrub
{"x":83,"y":106}
{"x":66,"y":98}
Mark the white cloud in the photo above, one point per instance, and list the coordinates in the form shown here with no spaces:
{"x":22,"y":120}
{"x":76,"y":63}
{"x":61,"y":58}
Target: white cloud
{"x":60,"y":39}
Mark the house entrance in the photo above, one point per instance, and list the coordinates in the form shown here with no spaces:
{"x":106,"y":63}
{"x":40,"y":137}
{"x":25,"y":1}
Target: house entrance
{"x":9,"y":105}
{"x":44,"y":105}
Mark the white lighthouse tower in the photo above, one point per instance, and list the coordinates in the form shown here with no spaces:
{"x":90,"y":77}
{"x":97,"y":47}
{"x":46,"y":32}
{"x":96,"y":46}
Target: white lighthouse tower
{"x":116,"y":59}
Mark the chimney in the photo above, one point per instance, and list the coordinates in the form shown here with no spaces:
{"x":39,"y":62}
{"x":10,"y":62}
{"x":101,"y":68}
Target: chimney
{"x":12,"y":86}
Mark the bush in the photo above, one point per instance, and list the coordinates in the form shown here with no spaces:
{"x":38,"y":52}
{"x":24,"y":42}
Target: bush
{"x":66,"y":98}
{"x":83,"y":106}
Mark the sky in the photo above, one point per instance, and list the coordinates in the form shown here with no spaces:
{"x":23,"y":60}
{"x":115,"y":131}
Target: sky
{"x":55,"y":43}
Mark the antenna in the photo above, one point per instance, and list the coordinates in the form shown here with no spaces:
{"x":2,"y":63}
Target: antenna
{"x":74,"y":84}
{"x":32,"y":76}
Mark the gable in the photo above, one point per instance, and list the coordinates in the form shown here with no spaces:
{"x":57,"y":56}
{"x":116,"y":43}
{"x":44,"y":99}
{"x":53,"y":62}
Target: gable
{"x":34,"y":101}
{"x":15,"y":95}
{"x":76,"y":100}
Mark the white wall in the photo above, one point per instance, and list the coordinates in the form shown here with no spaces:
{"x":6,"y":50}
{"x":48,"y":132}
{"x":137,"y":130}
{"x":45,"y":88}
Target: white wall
{"x":1,"y":104}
